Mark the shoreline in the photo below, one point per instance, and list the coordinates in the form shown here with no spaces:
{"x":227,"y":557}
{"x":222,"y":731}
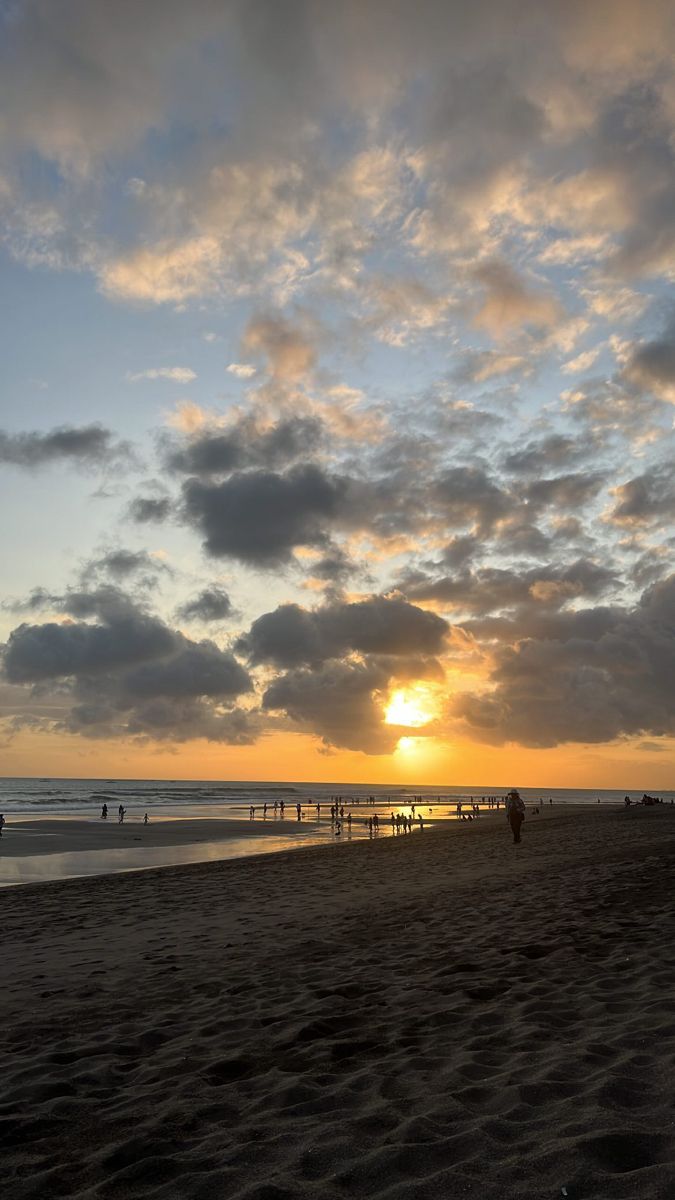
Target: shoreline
{"x":418,"y":1017}
{"x":58,"y":847}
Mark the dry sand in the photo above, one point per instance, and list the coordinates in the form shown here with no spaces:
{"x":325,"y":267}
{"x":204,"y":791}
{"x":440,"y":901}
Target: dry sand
{"x":438,"y":1016}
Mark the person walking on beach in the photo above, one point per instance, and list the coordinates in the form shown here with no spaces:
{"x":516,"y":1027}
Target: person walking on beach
{"x":104,"y":813}
{"x":145,"y":819}
{"x":121,"y":811}
{"x":515,"y":813}
{"x":2,"y":823}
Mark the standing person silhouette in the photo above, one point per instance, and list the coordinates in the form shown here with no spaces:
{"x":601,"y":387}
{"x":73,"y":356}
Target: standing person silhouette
{"x":515,"y":813}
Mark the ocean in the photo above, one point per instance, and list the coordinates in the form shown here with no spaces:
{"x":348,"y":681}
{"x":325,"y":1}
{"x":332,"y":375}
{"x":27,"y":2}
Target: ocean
{"x":46,"y":855}
{"x":174,"y":798}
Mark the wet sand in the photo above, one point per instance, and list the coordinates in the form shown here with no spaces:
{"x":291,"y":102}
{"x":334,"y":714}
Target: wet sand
{"x":407,"y":1019}
{"x":62,"y":835}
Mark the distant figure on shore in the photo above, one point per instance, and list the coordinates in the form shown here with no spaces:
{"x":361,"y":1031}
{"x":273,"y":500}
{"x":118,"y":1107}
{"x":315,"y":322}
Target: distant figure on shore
{"x":145,"y":819}
{"x":121,"y":814}
{"x":2,"y":823}
{"x":104,"y":812}
{"x":298,"y":810}
{"x":515,"y":813}
{"x":251,"y":813}
{"x":626,"y":801}
{"x":421,"y":821}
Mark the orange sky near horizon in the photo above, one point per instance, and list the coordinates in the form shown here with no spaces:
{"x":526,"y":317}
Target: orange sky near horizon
{"x":300,"y":758}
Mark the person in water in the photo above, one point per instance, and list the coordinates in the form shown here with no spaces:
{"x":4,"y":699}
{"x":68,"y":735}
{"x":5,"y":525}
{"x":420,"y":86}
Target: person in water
{"x":515,"y":813}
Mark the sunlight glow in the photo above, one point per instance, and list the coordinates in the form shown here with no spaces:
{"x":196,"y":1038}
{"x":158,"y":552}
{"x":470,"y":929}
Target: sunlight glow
{"x":413,"y":706}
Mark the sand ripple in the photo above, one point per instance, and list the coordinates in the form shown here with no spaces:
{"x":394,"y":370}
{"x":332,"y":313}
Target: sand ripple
{"x":438,"y":1016}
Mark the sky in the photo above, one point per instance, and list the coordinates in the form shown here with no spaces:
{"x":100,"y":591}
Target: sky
{"x":336,"y":432}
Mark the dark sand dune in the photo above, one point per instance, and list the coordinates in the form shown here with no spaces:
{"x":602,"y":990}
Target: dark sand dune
{"x":438,"y":1016}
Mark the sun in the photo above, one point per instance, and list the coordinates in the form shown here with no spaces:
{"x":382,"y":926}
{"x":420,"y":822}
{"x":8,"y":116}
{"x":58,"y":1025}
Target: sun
{"x":411,"y":706}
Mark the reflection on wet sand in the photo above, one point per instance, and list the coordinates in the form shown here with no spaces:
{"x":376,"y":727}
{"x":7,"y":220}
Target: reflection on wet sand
{"x":39,"y":868}
{"x":59,"y":847}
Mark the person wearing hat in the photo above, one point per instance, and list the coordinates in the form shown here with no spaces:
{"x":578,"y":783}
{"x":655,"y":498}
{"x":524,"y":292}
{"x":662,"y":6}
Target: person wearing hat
{"x":515,"y":813}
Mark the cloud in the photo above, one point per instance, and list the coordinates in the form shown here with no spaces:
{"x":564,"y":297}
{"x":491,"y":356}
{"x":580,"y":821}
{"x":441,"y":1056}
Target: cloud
{"x":260,"y":517}
{"x":652,"y":366}
{"x":171,"y":374}
{"x":646,"y":499}
{"x":147,"y":509}
{"x":495,"y":589}
{"x":467,"y":494}
{"x":509,"y":302}
{"x":246,"y":443}
{"x":288,"y":348}
{"x":554,"y":451}
{"x":212,"y":604}
{"x":582,"y":362}
{"x":87,"y":445}
{"x":340,"y":702}
{"x":53,"y":651}
{"x":129,"y":674}
{"x":479,"y":366}
{"x":292,"y":636}
{"x":241,"y":370}
{"x":169,"y":272}
{"x":571,"y":491}
{"x":587,"y":676}
{"x":122,"y":563}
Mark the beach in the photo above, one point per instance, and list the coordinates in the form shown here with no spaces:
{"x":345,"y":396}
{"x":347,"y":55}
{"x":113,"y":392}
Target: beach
{"x":438,"y":1015}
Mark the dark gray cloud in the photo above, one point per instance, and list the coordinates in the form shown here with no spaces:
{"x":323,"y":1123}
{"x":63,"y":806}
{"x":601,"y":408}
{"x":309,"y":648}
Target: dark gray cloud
{"x":196,"y":669}
{"x":493,"y":589}
{"x":646,"y":499}
{"x":340,"y":702}
{"x":215,"y":452}
{"x":88,"y":445}
{"x":652,"y":365}
{"x":571,"y":491}
{"x":130,"y":674}
{"x":212,"y":604}
{"x":585,"y":676}
{"x":467,"y":495}
{"x":260,"y":517}
{"x":146,"y":509}
{"x":53,"y":651}
{"x":121,"y":564}
{"x":550,"y":453}
{"x":293,"y":636}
